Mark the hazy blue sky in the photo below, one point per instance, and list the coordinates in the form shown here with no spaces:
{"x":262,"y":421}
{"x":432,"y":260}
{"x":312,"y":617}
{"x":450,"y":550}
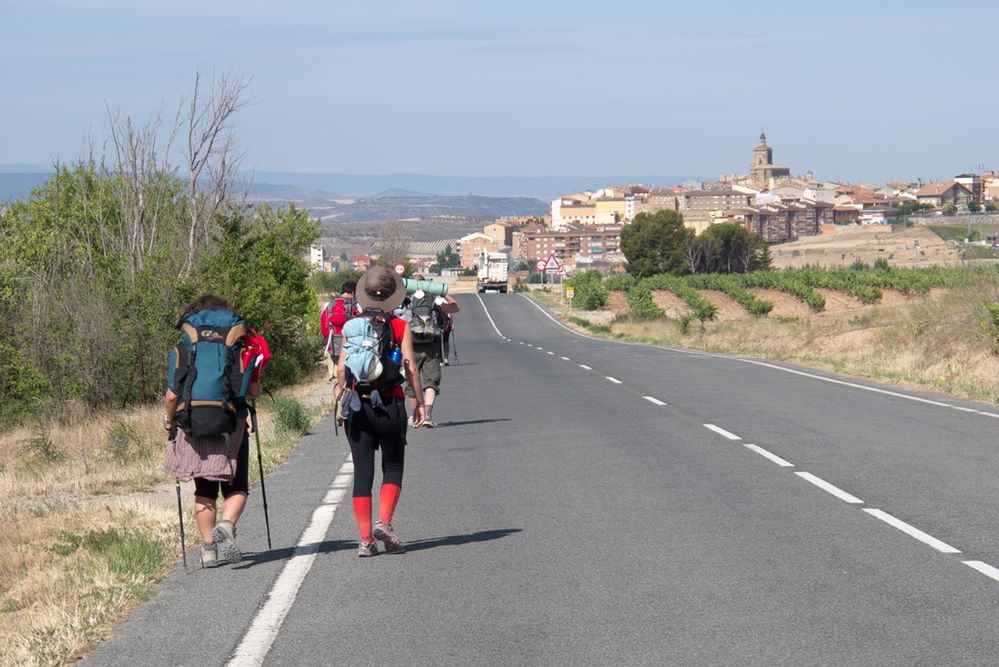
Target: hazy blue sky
{"x":849,"y":89}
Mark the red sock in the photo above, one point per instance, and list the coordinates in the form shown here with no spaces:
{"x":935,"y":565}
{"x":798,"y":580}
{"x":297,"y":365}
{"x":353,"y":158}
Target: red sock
{"x":387,"y":501}
{"x":362,"y":512}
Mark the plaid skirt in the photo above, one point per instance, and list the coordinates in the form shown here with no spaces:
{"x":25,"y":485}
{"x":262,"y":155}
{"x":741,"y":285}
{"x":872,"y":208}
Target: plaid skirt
{"x":213,"y":459}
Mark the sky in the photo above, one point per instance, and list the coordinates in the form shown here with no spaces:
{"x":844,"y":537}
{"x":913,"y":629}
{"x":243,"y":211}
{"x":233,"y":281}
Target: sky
{"x":851,"y":90}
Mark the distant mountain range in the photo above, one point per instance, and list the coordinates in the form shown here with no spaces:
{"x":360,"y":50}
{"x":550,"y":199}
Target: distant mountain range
{"x":353,"y":197}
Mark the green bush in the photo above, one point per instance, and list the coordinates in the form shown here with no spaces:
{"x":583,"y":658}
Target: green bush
{"x":640,"y":303}
{"x":589,"y":296}
{"x":291,"y":415}
{"x":619,"y":283}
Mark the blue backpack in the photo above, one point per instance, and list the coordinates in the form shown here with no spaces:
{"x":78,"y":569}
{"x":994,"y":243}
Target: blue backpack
{"x":209,"y":374}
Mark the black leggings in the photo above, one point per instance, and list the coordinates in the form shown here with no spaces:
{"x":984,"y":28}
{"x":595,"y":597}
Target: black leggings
{"x":447,"y":343}
{"x":206,"y":488}
{"x":369,"y":429}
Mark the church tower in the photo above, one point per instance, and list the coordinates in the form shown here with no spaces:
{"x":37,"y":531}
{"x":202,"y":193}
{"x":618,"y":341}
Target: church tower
{"x":763,"y":155}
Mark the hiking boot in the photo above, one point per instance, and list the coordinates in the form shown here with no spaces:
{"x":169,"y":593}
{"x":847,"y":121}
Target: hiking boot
{"x":446,"y":363}
{"x":224,"y":535}
{"x":367,"y":549}
{"x":384,"y":532}
{"x":209,"y":556}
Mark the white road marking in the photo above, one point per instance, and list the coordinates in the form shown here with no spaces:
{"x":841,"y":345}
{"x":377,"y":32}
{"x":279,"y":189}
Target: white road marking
{"x":912,"y":531}
{"x":849,"y":384}
{"x":720,"y":431}
{"x":486,"y":310}
{"x":551,"y":353}
{"x":540,"y":348}
{"x":653,"y":400}
{"x":829,"y":488}
{"x":259,"y":638}
{"x":565,"y":358}
{"x":770,"y":455}
{"x":614,"y":380}
{"x":521,"y":342}
{"x":584,"y":366}
{"x":984,"y":568}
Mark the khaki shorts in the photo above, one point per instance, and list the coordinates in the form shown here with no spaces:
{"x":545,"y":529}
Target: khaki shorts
{"x":428,"y":362}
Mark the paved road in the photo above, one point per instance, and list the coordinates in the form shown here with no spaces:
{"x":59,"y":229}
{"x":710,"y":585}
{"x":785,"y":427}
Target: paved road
{"x":587,"y":502}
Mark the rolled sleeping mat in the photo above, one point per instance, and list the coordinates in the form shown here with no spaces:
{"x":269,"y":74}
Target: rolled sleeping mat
{"x":428,"y":286}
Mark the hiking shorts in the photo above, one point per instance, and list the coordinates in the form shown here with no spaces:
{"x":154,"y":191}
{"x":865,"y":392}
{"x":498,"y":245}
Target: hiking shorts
{"x":428,"y":362}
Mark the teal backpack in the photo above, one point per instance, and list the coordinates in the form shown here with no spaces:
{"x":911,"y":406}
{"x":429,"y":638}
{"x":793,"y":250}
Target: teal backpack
{"x":209,"y":374}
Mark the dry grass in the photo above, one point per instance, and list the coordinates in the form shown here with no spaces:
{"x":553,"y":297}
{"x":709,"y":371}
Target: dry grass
{"x":89,"y":522}
{"x":943,"y":342}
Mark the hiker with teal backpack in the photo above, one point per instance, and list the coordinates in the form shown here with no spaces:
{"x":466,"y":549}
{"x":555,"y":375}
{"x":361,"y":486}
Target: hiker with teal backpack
{"x":377,"y":357}
{"x":211,"y":373}
{"x":427,"y":321}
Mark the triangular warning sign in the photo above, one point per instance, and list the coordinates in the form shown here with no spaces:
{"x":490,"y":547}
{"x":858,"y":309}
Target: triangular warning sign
{"x":551,"y":264}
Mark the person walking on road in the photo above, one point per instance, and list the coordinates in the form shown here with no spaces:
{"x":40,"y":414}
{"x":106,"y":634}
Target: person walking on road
{"x":336,"y":312}
{"x":427,"y":322}
{"x":218,"y":463}
{"x":378,"y":349}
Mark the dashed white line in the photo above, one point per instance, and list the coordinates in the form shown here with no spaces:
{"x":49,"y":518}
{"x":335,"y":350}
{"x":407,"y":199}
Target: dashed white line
{"x":540,"y":348}
{"x":912,"y":531}
{"x":984,"y":568}
{"x":653,"y":400}
{"x":565,"y":358}
{"x":829,"y":488}
{"x":585,"y":367}
{"x":720,"y":431}
{"x":614,"y":380}
{"x":770,"y":455}
{"x":521,"y":342}
{"x":257,"y":642}
{"x":551,"y":353}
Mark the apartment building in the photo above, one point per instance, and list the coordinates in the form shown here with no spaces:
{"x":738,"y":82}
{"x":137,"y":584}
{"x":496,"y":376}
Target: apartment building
{"x":473,"y":244}
{"x":533,"y":243}
{"x":776,"y":223}
{"x":713,"y":200}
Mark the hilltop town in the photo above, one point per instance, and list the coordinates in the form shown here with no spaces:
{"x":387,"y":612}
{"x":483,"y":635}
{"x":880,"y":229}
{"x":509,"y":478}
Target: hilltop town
{"x":824,"y":222}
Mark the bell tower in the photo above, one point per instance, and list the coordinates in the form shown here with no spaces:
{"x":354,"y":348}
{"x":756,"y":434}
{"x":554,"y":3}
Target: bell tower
{"x":763,"y":155}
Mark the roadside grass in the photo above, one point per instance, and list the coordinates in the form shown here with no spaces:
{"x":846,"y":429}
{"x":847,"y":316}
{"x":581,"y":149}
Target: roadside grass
{"x":945,"y":342}
{"x":90,"y":519}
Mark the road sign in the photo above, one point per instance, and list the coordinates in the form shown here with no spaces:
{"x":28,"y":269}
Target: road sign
{"x":569,"y":292}
{"x":552,"y":264}
{"x":540,"y":266}
{"x":560,"y":271}
{"x":400,"y":268}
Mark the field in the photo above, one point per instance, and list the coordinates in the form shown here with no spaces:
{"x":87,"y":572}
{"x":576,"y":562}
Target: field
{"x":935,"y":329}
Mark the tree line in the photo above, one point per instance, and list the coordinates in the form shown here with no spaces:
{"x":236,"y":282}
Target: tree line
{"x":97,"y":263}
{"x":659,"y":243}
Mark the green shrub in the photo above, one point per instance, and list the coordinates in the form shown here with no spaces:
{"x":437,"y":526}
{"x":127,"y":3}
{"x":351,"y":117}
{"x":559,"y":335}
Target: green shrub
{"x":122,"y":442}
{"x":291,"y":415}
{"x":589,"y":296}
{"x":640,"y":303}
{"x":619,"y":283}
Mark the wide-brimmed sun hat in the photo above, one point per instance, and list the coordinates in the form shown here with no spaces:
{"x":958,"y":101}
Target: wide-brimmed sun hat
{"x":380,"y":288}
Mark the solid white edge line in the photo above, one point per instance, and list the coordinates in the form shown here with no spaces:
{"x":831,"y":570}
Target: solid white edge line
{"x":653,"y":400}
{"x":770,"y":455}
{"x":612,"y":379}
{"x":848,"y":384}
{"x":720,"y":431}
{"x":258,"y":639}
{"x":984,"y":568}
{"x":829,"y":488}
{"x":912,"y":531}
{"x":486,"y":310}
{"x":584,"y":366}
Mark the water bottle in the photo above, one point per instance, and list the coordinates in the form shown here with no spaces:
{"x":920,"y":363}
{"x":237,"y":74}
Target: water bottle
{"x":396,"y":356}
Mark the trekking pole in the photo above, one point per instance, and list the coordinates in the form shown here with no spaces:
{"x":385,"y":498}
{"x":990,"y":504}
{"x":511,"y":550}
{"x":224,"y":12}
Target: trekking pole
{"x":260,"y":462}
{"x":180,"y":515}
{"x":454,"y":346}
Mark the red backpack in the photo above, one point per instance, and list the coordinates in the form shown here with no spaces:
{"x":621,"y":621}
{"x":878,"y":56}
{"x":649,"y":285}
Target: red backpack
{"x":340,"y":311}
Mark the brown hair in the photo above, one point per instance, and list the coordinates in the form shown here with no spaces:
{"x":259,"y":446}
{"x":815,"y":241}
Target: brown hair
{"x":207,"y":301}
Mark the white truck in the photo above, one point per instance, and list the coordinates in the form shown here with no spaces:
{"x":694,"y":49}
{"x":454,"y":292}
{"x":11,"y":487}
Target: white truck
{"x":493,"y":268}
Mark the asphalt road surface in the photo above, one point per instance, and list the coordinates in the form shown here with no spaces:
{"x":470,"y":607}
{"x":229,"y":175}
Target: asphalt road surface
{"x":587,"y":502}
